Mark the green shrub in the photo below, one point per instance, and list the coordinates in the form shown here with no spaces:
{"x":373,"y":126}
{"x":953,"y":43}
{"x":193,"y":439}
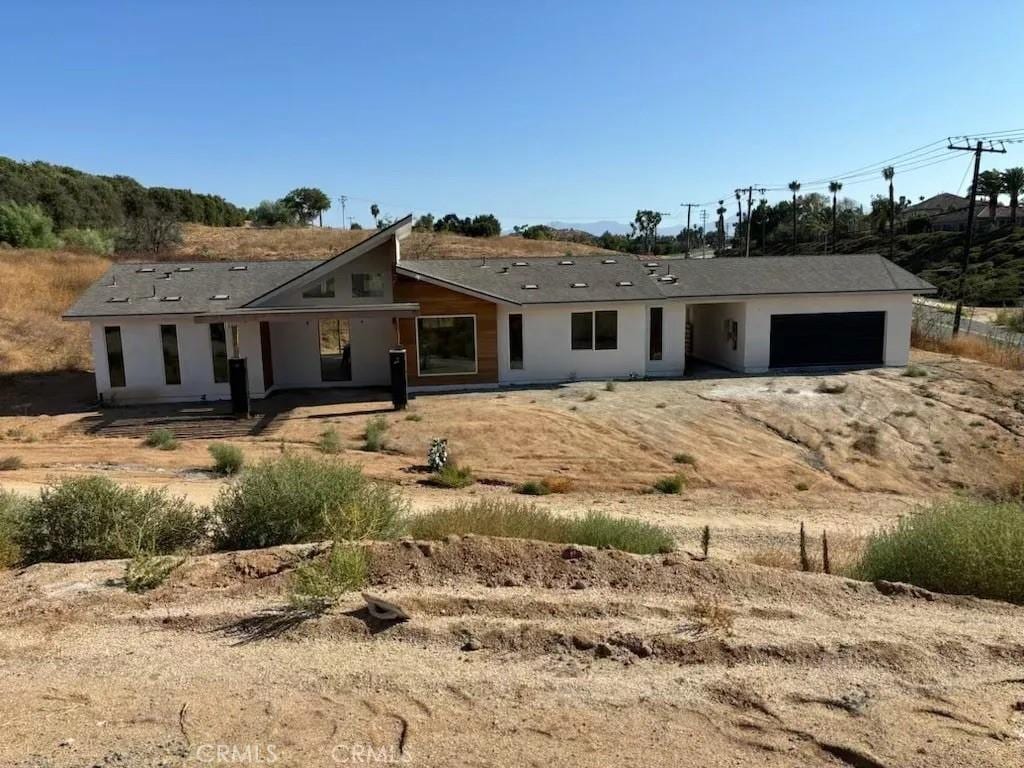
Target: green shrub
{"x":375,"y":437}
{"x":317,"y":584}
{"x":26,"y":226}
{"x":163,"y":439}
{"x":452,"y":476}
{"x":533,"y":488}
{"x":88,"y":241}
{"x":514,"y":519}
{"x":145,"y":572}
{"x":292,"y":499}
{"x":227,"y":459}
{"x":685,"y":458}
{"x":9,"y":463}
{"x":831,"y":387}
{"x":329,"y":441}
{"x":413,"y":417}
{"x":12,"y":511}
{"x":93,"y":518}
{"x":914,"y":371}
{"x":966,"y":547}
{"x":670,"y":484}
{"x":802,"y":486}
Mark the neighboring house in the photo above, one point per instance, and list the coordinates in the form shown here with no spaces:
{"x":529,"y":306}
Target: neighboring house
{"x":946,"y":212}
{"x":164,"y":332}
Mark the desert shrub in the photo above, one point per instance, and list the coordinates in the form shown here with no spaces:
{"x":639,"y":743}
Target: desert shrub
{"x":26,"y":226}
{"x":965,"y":547}
{"x":452,"y":476}
{"x":533,"y":488}
{"x":831,"y":387}
{"x":375,"y":436}
{"x":515,"y":519}
{"x":670,"y":484}
{"x":710,"y":616}
{"x":227,"y":459}
{"x":9,"y":463}
{"x":93,"y":518}
{"x":162,"y":438}
{"x":88,"y":241}
{"x":145,"y":572}
{"x":293,"y":499}
{"x":413,"y":417}
{"x":12,"y":510}
{"x":914,"y":371}
{"x":685,"y":458}
{"x":318,"y":583}
{"x":590,"y":397}
{"x":802,"y":486}
{"x":558,"y":484}
{"x":609,"y":386}
{"x":329,"y":441}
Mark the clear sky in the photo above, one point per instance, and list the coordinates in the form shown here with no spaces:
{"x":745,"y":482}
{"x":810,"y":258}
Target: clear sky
{"x":533,"y":111}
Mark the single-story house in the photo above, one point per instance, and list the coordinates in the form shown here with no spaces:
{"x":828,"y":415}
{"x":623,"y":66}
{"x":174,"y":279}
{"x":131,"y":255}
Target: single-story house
{"x":165,"y":331}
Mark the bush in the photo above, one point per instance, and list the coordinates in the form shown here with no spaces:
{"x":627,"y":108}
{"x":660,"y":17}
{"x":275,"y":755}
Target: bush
{"x":317,"y":584}
{"x":88,"y":241}
{"x":452,"y":476}
{"x":92,"y":518}
{"x":293,"y":499}
{"x":533,"y":488}
{"x":145,"y":572}
{"x":965,"y":547}
{"x":670,"y":484}
{"x":227,"y":459}
{"x":914,"y":371}
{"x":375,"y":437}
{"x":514,"y":519}
{"x":163,"y":439}
{"x":12,"y":510}
{"x":26,"y":226}
{"x":413,"y":417}
{"x":609,"y":386}
{"x":1011,"y":319}
{"x":9,"y":463}
{"x":329,"y":442}
{"x":590,"y":397}
{"x":685,"y":458}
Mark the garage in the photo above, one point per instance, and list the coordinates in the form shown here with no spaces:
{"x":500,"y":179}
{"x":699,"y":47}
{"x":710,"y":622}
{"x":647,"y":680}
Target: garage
{"x":827,"y":338}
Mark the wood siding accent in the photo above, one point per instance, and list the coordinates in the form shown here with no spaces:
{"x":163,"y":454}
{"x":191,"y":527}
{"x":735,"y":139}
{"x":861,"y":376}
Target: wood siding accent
{"x":435,"y":300}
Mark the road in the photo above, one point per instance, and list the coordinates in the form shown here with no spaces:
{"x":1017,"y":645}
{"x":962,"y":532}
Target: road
{"x":944,"y":319}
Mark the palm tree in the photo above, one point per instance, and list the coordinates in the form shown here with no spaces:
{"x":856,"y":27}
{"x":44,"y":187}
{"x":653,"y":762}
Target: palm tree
{"x":721,"y":223}
{"x":991,"y":183}
{"x":794,"y":187}
{"x":1013,"y":185}
{"x":375,"y":212}
{"x":887,"y":174}
{"x":834,"y":187}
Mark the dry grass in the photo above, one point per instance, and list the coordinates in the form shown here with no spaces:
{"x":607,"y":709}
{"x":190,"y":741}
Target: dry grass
{"x":35,"y":288}
{"x":974,"y":347}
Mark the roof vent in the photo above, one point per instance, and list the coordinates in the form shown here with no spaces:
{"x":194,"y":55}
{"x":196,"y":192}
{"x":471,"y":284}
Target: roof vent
{"x":566,"y":262}
{"x":608,"y":261}
{"x":578,"y":285}
{"x":239,"y":268}
{"x":171,"y":298}
{"x":118,"y":300}
{"x":184,"y":269}
{"x":529,"y":286}
{"x":219,"y":297}
{"x":520,"y":264}
{"x":146,"y":269}
{"x":624,"y":283}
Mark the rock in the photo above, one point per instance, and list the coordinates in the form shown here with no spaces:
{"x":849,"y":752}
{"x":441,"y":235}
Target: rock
{"x":603,"y":651}
{"x":510,"y":581}
{"x":67,"y":743}
{"x":583,"y":642}
{"x":426,"y":547}
{"x":472,"y":644}
{"x":572,"y":552}
{"x":578,"y":584}
{"x":383,"y":610}
{"x":643,"y":650}
{"x":899,"y":589}
{"x":453,"y":538}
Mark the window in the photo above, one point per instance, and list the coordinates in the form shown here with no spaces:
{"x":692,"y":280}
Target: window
{"x":606,"y":329}
{"x":169,"y":341}
{"x":582,"y":330}
{"x":446,"y":345}
{"x":115,"y":357}
{"x":219,"y":352}
{"x":515,"y":342}
{"x":322,"y":290}
{"x":366,"y":285}
{"x":335,"y":351}
{"x":654,"y":346}
{"x":595,"y":330}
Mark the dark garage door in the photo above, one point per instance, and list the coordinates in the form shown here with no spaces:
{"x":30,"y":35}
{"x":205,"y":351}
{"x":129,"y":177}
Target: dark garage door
{"x":828,"y":338}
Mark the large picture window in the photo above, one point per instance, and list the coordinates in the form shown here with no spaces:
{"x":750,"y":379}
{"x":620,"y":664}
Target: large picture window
{"x":366,"y":285}
{"x":595,"y":330}
{"x":219,"y":352}
{"x":446,"y":345}
{"x":115,"y":355}
{"x":582,"y":330}
{"x":169,"y":342}
{"x":515,"y":342}
{"x":335,"y":351}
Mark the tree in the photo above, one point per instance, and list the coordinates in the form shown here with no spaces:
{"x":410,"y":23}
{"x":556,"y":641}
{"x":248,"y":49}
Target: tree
{"x":26,"y":226}
{"x":273,"y":213}
{"x":375,"y":212}
{"x":834,"y":187}
{"x":991,"y":183}
{"x":645,"y":225}
{"x":794,"y":187}
{"x":1013,"y":185}
{"x":307,"y":203}
{"x":887,"y":174}
{"x":424,"y":223}
{"x":721,"y":223}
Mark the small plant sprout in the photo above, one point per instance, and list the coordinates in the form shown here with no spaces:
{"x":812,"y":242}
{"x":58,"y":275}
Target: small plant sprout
{"x":826,"y":563}
{"x":805,"y":560}
{"x":705,"y":541}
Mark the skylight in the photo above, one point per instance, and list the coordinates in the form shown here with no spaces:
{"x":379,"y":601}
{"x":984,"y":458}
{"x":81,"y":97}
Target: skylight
{"x":219,"y":297}
{"x":520,"y":264}
{"x":608,"y":261}
{"x":667,"y":279}
{"x":624,"y":283}
{"x":239,"y":268}
{"x":171,"y":298}
{"x":184,"y":269}
{"x":650,"y":264}
{"x":578,"y":285}
{"x":566,"y":263}
{"x":146,"y":269}
{"x":117,"y":300}
{"x":529,"y":286}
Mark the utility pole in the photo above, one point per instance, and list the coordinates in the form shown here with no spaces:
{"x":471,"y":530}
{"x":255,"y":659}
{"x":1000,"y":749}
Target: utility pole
{"x":689,"y":207}
{"x":343,"y":199}
{"x":977,"y":149}
{"x":750,"y":201}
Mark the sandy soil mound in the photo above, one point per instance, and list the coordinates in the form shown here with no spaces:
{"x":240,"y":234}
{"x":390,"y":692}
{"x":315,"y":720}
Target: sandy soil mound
{"x":516,"y":653}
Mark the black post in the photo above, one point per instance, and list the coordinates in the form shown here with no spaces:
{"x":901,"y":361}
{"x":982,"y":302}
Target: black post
{"x":238,"y":378}
{"x":399,"y":379}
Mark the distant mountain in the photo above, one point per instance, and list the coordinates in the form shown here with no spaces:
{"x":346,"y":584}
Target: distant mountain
{"x":600,"y":227}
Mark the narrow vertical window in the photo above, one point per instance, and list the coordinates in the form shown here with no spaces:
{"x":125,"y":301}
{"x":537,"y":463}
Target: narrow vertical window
{"x":654,"y":347}
{"x":115,"y":356}
{"x":582,"y":330}
{"x":219,"y":352}
{"x":335,"y":351}
{"x":169,"y":342}
{"x":515,"y":342}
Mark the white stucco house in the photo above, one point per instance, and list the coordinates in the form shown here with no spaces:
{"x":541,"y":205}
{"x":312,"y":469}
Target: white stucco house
{"x":164,"y":332}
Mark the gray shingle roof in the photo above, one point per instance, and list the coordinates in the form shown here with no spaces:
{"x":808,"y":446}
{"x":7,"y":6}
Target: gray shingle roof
{"x":630,"y":277}
{"x":194,"y":283}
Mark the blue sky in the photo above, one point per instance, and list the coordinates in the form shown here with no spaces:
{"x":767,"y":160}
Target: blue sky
{"x":533,"y":111}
